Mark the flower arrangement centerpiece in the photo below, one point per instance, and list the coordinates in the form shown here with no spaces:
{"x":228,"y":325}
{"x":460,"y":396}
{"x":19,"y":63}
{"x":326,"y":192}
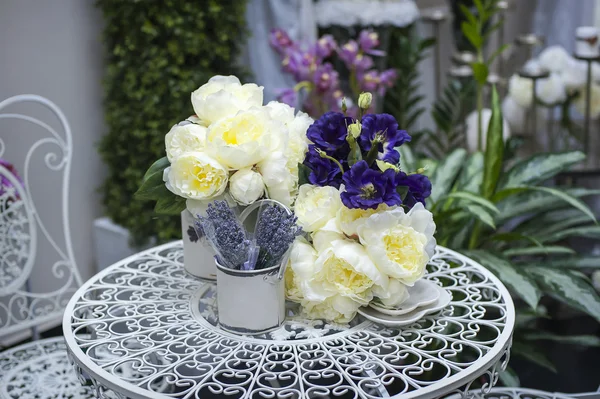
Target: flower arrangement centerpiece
{"x":313,"y":70}
{"x":369,"y":234}
{"x":233,"y":148}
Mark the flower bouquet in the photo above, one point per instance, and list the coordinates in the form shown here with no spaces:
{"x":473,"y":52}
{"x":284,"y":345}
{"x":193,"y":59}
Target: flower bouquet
{"x":369,"y":235}
{"x":233,"y":148}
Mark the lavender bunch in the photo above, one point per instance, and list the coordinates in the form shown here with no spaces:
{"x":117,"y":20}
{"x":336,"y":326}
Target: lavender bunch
{"x":225,"y":233}
{"x":274,"y":233}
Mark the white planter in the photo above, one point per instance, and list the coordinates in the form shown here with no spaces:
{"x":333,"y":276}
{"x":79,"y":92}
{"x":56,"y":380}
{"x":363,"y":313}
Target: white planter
{"x":250,"y":301}
{"x":198,"y":256}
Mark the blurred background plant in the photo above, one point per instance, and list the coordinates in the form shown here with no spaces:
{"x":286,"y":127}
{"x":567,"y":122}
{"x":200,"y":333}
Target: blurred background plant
{"x":157,"y":54}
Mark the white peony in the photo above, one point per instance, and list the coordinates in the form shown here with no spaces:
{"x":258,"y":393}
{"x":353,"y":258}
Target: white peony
{"x":315,"y":206}
{"x":298,"y":142}
{"x":323,"y":237}
{"x":554,"y":58}
{"x":350,"y":219}
{"x":246,"y":186}
{"x":300,"y":269}
{"x":473,"y":132}
{"x":338,"y":309}
{"x":400,"y":244}
{"x":195,"y":175}
{"x":594,"y":101}
{"x":551,"y":90}
{"x":244,"y":139}
{"x":520,"y":89}
{"x":514,"y":114}
{"x":224,"y":96}
{"x":280,"y":111}
{"x":574,"y":75}
{"x":184,"y":137}
{"x":395,"y":294}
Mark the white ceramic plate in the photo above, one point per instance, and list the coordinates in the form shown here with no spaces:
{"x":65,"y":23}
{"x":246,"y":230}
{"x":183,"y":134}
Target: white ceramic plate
{"x":423,"y":293}
{"x":408,"y":318}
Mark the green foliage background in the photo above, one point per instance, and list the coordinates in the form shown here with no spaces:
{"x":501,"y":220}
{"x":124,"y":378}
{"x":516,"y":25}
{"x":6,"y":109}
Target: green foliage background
{"x":157,"y":53}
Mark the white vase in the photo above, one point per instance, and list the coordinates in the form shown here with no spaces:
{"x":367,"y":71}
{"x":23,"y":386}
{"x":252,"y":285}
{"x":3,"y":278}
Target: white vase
{"x":250,"y":301}
{"x":198,"y":256}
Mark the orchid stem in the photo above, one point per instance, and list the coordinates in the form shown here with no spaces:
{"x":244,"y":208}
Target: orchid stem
{"x":324,"y":155}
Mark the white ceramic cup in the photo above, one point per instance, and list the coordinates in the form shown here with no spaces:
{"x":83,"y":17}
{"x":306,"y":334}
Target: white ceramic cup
{"x":586,"y":44}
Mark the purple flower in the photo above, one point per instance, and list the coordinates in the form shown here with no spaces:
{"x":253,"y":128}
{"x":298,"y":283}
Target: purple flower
{"x":362,"y":62}
{"x":419,"y":188}
{"x":298,"y":64}
{"x":382,"y":128}
{"x":388,"y":78}
{"x":325,"y":77}
{"x":280,"y":40}
{"x":324,"y":172}
{"x":368,"y":40}
{"x":287,"y":96}
{"x":328,"y":133}
{"x":368,"y":188}
{"x":348,"y":53}
{"x":368,"y":81}
{"x":325,"y":46}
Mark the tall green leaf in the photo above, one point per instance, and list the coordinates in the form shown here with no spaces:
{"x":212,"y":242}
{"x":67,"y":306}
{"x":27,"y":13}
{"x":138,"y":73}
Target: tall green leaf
{"x":585,"y":340}
{"x":547,"y":250}
{"x":481,"y":214}
{"x":569,"y":288}
{"x":519,"y":282}
{"x":407,"y":159}
{"x":533,"y":355}
{"x":494,"y":151}
{"x":571,"y":262}
{"x":471,"y":176}
{"x":540,"y":168}
{"x":446,"y":172}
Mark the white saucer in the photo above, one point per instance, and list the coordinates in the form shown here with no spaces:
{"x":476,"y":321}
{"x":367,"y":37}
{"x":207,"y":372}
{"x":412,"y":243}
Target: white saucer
{"x":408,"y":318}
{"x":423,"y":293}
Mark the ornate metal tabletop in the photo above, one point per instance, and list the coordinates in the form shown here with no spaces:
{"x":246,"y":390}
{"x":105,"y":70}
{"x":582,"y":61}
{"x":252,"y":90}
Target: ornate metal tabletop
{"x":143,"y":328}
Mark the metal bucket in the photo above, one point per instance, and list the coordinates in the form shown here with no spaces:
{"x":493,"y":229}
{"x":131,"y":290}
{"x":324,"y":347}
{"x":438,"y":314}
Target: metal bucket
{"x":198,"y":256}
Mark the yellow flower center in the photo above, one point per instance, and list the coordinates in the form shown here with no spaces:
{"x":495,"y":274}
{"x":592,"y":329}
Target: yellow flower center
{"x":239,"y":129}
{"x":405,"y":246}
{"x":342,"y":276}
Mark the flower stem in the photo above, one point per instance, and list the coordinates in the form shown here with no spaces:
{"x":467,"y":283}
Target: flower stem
{"x":373,"y":152}
{"x":324,"y":155}
{"x":479,"y":113}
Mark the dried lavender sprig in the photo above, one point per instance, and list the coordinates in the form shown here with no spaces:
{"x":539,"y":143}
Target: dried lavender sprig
{"x":226,"y":234}
{"x":275,"y":231}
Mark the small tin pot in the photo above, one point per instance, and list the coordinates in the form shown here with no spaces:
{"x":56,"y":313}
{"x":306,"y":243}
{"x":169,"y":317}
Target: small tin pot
{"x":250,"y":301}
{"x":586,"y":44}
{"x":198,"y":256}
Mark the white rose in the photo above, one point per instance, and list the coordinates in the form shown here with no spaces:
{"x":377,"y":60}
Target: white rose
{"x":246,"y":186}
{"x":514,"y":114}
{"x":554,"y":58}
{"x":315,"y":206}
{"x":184,"y":137}
{"x":281,"y":184}
{"x":280,"y":111}
{"x":473,"y":132}
{"x":395,"y":294}
{"x":400,"y":244}
{"x":195,"y":175}
{"x":551,"y":90}
{"x":224,"y":96}
{"x":574,"y":75}
{"x":350,"y":219}
{"x":594,"y":101}
{"x":300,"y":269}
{"x":244,"y":139}
{"x":520,"y":89}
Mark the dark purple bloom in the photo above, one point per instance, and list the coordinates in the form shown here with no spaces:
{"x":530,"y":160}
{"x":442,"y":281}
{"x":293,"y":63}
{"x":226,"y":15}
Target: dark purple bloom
{"x":329,"y":132}
{"x":419,"y":188}
{"x":348,"y":53}
{"x":367,"y":188}
{"x":324,"y":172}
{"x":280,"y":40}
{"x":384,"y":129}
{"x":368,"y":40}
{"x":325,"y":77}
{"x":325,"y":46}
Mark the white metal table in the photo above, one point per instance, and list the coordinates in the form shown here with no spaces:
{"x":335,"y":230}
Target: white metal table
{"x":143,"y":328}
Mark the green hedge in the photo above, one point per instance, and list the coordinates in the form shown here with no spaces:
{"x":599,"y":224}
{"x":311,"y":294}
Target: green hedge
{"x":157,"y":53}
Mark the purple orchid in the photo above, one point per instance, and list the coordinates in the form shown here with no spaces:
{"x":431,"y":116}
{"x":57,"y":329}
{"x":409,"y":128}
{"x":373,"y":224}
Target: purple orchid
{"x":280,"y":40}
{"x":328,"y":133}
{"x":383,"y":129}
{"x":419,"y":187}
{"x":325,"y":46}
{"x":368,"y":40}
{"x":325,"y":78}
{"x":367,"y":188}
{"x":348,"y":53}
{"x":324,"y":172}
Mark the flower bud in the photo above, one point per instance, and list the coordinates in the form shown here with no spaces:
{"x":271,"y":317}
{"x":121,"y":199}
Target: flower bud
{"x":246,"y":186}
{"x":364,"y":100}
{"x":383,"y":166}
{"x":354,"y":129}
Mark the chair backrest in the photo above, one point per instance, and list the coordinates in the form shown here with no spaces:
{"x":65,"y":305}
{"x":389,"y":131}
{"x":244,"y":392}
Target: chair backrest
{"x":38,"y":274}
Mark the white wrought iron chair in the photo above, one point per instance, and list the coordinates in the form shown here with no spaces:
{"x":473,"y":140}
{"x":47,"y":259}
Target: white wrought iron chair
{"x":39,"y":369}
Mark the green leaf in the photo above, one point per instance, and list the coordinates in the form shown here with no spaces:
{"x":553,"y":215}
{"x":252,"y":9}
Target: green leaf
{"x":303,"y":173}
{"x":574,"y":262}
{"x":540,"y":168}
{"x":512,"y":237}
{"x":157,"y":166}
{"x":445,"y":174}
{"x":497,"y":53}
{"x":470,"y":32}
{"x":509,"y":378}
{"x":584,"y":231}
{"x":584,"y":340}
{"x":480,"y":213}
{"x":468,"y":14}
{"x":172,"y":205}
{"x":533,"y":355}
{"x":480,"y":72}
{"x":474,"y":198}
{"x":471,"y":176}
{"x":494,"y":152}
{"x":569,"y":288}
{"x":153,"y":187}
{"x":547,"y":250}
{"x":407,"y":159}
{"x":574,"y":202}
{"x":519,"y":282}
